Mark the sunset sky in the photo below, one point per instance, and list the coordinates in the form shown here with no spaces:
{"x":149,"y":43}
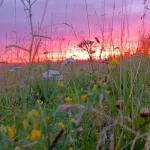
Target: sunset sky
{"x":14,"y":23}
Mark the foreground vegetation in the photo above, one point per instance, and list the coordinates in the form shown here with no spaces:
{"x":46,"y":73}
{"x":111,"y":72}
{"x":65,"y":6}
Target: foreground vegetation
{"x":107,"y":107}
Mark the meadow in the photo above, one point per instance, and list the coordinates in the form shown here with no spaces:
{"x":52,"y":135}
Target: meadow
{"x":78,"y":108}
{"x":72,"y":105}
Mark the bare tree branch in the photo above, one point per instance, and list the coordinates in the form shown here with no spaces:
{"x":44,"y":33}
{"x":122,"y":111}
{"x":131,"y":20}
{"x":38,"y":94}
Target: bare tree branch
{"x":42,"y":36}
{"x":23,"y":2}
{"x":33,"y":2}
{"x":37,"y":46}
{"x":1,"y":3}
{"x":16,"y":46}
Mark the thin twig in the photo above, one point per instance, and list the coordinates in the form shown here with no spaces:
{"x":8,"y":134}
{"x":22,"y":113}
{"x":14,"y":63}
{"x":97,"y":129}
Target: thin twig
{"x":1,"y":3}
{"x":132,"y":147}
{"x":42,"y":36}
{"x":88,"y":18}
{"x":33,"y":2}
{"x":58,"y":136}
{"x":29,"y":144}
{"x":16,"y":46}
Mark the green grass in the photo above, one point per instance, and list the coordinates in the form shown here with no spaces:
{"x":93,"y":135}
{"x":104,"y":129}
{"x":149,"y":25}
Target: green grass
{"x":124,"y":128}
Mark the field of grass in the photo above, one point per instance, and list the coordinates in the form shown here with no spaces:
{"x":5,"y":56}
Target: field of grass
{"x":108,"y":108}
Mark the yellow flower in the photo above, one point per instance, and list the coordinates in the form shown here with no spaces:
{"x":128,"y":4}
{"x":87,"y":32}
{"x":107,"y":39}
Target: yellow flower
{"x":61,"y":125}
{"x":67,"y":100}
{"x":25,"y":123}
{"x":94,"y":89}
{"x":35,"y":135}
{"x":83,"y":98}
{"x":35,"y":113}
{"x":99,"y":82}
{"x":39,"y":101}
{"x":17,"y":148}
{"x":45,"y":120}
{"x":107,"y":92}
{"x":72,"y":120}
{"x":10,"y":132}
{"x":114,"y":61}
{"x":60,"y":83}
{"x":71,"y":148}
{"x":3,"y":129}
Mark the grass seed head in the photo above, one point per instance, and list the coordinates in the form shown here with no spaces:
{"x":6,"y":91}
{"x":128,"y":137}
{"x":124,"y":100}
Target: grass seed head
{"x":119,"y":104}
{"x":145,"y":113}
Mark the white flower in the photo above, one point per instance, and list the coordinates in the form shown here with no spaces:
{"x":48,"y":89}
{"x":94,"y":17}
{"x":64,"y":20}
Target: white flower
{"x":85,"y":42}
{"x":54,"y":72}
{"x":60,"y":78}
{"x":11,"y":70}
{"x":68,"y":61}
{"x":50,"y":74}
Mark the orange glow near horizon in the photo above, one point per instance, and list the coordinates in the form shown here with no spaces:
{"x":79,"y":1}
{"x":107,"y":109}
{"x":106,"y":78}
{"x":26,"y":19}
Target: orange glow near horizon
{"x":118,"y":25}
{"x":76,"y":53}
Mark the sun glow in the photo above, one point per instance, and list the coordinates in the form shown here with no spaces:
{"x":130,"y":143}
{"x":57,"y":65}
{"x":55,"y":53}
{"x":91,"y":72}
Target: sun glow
{"x":77,"y":53}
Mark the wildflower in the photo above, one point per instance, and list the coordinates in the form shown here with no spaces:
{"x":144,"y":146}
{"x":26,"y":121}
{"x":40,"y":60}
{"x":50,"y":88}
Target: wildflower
{"x":10,"y":70}
{"x":39,"y":101}
{"x":35,"y":135}
{"x":35,"y":113}
{"x":83,"y":98}
{"x":60,"y":78}
{"x":25,"y":123}
{"x":145,"y":113}
{"x":94,"y":89}
{"x":99,"y":82}
{"x":60,"y":83}
{"x":50,"y":74}
{"x":61,"y":125}
{"x":68,"y":61}
{"x":45,"y":120}
{"x":10,"y":132}
{"x":114,"y":61}
{"x":3,"y":129}
{"x":85,"y":43}
{"x":17,"y":148}
{"x":68,"y":100}
{"x":107,"y":92}
{"x":72,"y":120}
{"x":119,"y":104}
{"x":71,"y":148}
